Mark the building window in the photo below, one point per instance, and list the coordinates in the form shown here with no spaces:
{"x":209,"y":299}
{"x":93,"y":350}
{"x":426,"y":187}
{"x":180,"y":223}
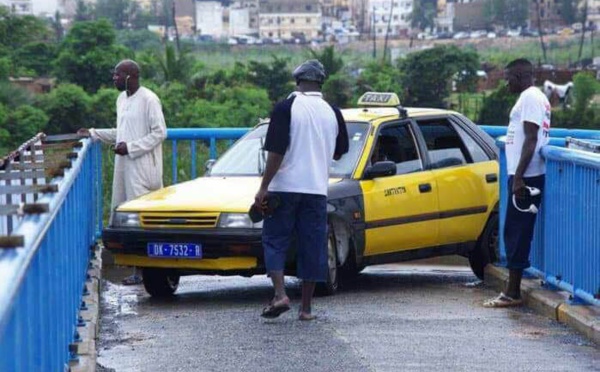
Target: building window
{"x":292,"y":20}
{"x":309,"y":7}
{"x":396,"y":17}
{"x":307,"y":20}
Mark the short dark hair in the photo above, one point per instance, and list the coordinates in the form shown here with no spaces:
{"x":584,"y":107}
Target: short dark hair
{"x":520,"y":63}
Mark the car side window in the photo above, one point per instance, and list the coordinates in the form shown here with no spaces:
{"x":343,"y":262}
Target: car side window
{"x":475,"y":150}
{"x":445,"y":147}
{"x":396,"y":143}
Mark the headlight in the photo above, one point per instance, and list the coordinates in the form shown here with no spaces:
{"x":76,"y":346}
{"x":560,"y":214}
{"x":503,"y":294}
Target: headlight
{"x":126,"y":219}
{"x":238,"y":220}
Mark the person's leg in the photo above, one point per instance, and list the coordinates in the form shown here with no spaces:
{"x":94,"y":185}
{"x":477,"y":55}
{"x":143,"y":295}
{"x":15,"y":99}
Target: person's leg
{"x":276,"y":235}
{"x":311,"y":228}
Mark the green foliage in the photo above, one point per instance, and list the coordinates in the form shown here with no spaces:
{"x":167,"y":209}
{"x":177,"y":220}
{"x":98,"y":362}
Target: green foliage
{"x":275,"y":77}
{"x":380,"y":77}
{"x":104,"y":109}
{"x":88,"y":55}
{"x":36,"y":56}
{"x":25,"y":122}
{"x":585,"y":87}
{"x":496,"y":107}
{"x":68,"y":107}
{"x":17,"y":30}
{"x":12,"y":96}
{"x":174,"y":101}
{"x":331,"y":62}
{"x":4,"y":68}
{"x":83,"y":11}
{"x":424,"y":11}
{"x":337,"y":90}
{"x":175,"y":67}
{"x":427,"y":74}
{"x":116,"y":11}
{"x":138,"y":39}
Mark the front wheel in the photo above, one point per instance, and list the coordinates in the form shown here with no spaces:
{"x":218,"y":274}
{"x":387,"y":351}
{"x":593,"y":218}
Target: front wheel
{"x":331,"y":285}
{"x":160,"y":282}
{"x":486,"y":250}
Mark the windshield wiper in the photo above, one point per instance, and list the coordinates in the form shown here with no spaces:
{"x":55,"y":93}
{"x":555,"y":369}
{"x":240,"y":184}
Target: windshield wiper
{"x":261,"y":157}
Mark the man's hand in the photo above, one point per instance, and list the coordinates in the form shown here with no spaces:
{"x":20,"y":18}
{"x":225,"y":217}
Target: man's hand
{"x":121,"y":149}
{"x":518,"y":187}
{"x":83,"y":132}
{"x":260,"y":199}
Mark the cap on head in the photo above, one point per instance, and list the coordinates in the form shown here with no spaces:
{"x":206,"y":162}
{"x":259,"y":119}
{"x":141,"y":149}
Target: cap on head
{"x":311,"y":70}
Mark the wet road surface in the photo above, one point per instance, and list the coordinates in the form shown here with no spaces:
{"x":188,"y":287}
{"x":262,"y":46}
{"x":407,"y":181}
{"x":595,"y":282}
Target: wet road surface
{"x":395,"y":318}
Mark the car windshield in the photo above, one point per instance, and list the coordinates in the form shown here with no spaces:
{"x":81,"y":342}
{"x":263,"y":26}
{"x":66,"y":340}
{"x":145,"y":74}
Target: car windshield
{"x":246,"y":157}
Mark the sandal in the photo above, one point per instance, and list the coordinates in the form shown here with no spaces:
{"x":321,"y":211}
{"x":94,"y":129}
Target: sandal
{"x":273,"y":310}
{"x":133,"y":280}
{"x":502,"y":300}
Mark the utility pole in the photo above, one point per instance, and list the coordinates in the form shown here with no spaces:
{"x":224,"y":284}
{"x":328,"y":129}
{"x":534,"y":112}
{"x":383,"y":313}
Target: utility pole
{"x":176,"y":31}
{"x":374,"y":29}
{"x":584,"y":17}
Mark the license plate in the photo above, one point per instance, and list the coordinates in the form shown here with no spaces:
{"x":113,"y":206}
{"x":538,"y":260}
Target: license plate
{"x":179,"y":250}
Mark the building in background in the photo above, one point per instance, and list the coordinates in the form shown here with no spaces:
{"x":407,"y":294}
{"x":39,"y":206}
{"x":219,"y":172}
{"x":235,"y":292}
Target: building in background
{"x":209,"y":19}
{"x":286,"y":19}
{"x":20,"y":7}
{"x":384,"y":14}
{"x":243,"y":18}
{"x":469,"y":15}
{"x":549,"y":14}
{"x":444,"y":20}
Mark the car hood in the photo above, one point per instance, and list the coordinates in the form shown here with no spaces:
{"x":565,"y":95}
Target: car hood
{"x":205,"y":194}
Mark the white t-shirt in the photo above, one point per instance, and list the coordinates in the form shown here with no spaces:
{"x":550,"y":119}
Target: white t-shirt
{"x":307,"y":131}
{"x":532,"y":106}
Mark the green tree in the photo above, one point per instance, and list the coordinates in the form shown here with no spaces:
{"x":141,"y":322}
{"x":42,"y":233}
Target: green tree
{"x":275,"y":77}
{"x":68,"y":107}
{"x":24,"y":123}
{"x":330,"y":60}
{"x":424,"y":11}
{"x":337,"y":90}
{"x":88,"y":54}
{"x":16,"y":30}
{"x":175,"y":66}
{"x":83,"y":11}
{"x":104,"y":109}
{"x":585,"y":87}
{"x":5,"y":138}
{"x":4,"y":68}
{"x":380,"y":76}
{"x":36,"y":56}
{"x":12,"y":96}
{"x":496,"y":107}
{"x":138,"y":39}
{"x":428,"y":74}
{"x":116,"y":11}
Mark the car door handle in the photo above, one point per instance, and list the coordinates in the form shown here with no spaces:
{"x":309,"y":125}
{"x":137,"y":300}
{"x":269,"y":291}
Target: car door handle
{"x":491,"y":178}
{"x":425,"y":187}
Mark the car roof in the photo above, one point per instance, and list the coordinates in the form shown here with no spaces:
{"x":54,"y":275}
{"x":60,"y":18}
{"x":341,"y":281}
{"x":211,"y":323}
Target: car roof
{"x":377,"y":115}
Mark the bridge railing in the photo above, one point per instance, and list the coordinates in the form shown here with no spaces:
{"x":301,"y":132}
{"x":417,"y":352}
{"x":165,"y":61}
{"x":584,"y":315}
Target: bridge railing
{"x":565,"y":251}
{"x":43,"y":267}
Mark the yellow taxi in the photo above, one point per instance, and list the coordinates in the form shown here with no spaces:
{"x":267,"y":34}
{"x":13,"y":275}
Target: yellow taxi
{"x":416,"y":183}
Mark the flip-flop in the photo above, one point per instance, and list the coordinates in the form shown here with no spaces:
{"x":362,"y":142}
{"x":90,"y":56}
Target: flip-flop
{"x":502,"y":300}
{"x":273,"y":311}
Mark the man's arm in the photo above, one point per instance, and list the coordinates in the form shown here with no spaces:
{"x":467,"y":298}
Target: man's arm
{"x":527,"y":152}
{"x":158,"y":132}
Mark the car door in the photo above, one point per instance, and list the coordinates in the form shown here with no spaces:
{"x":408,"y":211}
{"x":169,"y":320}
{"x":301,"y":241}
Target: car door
{"x":465,"y":175}
{"x":400,"y":210}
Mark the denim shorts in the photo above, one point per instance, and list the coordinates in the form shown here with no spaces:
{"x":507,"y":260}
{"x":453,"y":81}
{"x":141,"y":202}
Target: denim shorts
{"x":303,"y":217}
{"x":519,"y":226}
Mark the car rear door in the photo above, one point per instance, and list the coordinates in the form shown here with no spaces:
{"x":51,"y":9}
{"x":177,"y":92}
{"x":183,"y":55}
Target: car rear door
{"x":466,"y":175}
{"x":400,"y":210}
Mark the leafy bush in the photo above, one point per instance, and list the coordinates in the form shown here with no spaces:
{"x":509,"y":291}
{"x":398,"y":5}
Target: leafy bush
{"x":68,"y":107}
{"x":496,"y":107}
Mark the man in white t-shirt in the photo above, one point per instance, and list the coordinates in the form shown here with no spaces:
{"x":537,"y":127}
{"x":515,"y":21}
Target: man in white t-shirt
{"x":305,"y":134}
{"x":528,"y":131}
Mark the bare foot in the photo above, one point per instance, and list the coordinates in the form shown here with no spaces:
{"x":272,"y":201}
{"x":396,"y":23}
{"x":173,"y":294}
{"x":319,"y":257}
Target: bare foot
{"x":306,"y":316}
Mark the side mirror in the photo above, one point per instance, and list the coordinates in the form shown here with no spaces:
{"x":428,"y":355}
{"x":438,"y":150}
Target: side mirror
{"x":380,"y":169}
{"x":208,"y":165}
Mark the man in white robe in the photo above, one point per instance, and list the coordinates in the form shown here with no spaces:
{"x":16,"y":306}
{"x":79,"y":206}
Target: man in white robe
{"x":137,"y":139}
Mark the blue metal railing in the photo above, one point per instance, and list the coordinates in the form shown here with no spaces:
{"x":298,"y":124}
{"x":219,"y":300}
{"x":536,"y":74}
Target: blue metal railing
{"x":42,"y":283}
{"x":565,"y":250}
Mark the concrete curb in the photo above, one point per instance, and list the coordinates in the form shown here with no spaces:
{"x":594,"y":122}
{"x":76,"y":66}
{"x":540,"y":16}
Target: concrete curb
{"x":90,"y":317}
{"x":551,"y":303}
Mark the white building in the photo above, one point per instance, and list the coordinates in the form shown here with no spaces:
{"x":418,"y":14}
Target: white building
{"x":290,"y":19}
{"x":20,"y":7}
{"x":209,"y":18}
{"x":395,"y":13}
{"x":239,"y":22}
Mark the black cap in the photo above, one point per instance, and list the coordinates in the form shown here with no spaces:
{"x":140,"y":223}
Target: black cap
{"x":311,"y":70}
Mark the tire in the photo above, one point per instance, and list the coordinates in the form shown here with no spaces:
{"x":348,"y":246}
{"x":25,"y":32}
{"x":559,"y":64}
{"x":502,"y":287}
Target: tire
{"x":486,"y":250}
{"x":349,"y":270}
{"x":160,"y":282}
{"x":330,"y":287}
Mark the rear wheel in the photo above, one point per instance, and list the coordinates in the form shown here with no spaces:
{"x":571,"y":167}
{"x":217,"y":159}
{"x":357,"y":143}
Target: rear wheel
{"x":486,"y":250}
{"x":160,"y":282}
{"x":331,"y":285}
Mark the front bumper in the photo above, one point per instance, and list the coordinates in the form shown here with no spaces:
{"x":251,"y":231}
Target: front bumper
{"x":222,"y":249}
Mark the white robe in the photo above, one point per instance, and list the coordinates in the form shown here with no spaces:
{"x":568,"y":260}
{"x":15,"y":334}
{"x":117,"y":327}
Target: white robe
{"x":141,"y":124}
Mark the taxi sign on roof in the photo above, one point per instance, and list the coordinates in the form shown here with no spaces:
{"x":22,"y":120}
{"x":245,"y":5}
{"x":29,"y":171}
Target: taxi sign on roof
{"x":379,"y":99}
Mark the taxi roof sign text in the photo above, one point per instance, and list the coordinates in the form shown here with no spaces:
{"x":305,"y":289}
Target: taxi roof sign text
{"x":379,"y":99}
